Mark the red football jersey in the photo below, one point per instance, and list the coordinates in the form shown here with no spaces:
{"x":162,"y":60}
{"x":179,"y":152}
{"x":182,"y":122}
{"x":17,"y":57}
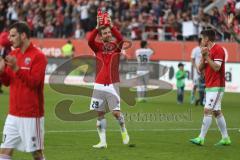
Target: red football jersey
{"x":107,"y":57}
{"x":215,"y":78}
{"x":26,"y":85}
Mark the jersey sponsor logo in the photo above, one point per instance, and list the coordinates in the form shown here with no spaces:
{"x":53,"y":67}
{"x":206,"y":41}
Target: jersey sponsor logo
{"x":27,"y":61}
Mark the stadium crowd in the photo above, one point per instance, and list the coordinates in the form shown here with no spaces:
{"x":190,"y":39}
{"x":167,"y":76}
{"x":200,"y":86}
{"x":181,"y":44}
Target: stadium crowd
{"x":137,"y":19}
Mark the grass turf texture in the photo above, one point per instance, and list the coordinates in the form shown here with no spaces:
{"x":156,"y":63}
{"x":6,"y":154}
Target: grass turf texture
{"x":151,"y":138}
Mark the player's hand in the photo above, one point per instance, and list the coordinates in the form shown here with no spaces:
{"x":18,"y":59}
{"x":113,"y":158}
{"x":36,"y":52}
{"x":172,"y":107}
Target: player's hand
{"x":204,"y":52}
{"x":110,"y":21}
{"x":11,"y":61}
{"x":97,"y":22}
{"x":99,"y":19}
{"x":2,"y":65}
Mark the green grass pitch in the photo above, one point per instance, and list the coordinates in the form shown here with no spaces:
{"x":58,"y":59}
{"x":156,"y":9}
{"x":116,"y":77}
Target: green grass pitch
{"x":157,"y":137}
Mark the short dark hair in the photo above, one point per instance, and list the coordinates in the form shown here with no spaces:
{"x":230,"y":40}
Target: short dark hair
{"x":180,"y":64}
{"x":143,"y":44}
{"x":102,"y":28}
{"x":21,"y":27}
{"x":210,"y":33}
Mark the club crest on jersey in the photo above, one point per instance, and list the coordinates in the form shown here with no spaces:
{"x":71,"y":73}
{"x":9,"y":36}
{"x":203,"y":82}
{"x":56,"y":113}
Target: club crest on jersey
{"x":27,"y":61}
{"x":109,"y":46}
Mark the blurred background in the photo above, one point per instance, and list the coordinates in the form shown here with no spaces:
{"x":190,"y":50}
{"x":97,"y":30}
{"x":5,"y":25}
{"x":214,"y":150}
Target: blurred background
{"x":137,"y":19}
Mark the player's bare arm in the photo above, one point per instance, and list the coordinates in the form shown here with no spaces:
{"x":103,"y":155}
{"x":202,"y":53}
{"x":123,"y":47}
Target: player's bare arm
{"x":115,"y":31}
{"x":205,"y":52}
{"x":216,"y":67}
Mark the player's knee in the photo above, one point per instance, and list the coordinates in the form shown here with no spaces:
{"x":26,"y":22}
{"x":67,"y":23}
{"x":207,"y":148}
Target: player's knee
{"x":217,"y":113}
{"x":6,"y":152}
{"x":38,"y":155}
{"x":116,"y":114}
{"x":207,"y":111}
{"x":101,"y":115}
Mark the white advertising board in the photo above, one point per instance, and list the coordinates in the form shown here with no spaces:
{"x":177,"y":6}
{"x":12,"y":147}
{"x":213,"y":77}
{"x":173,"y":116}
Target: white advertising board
{"x":232,"y":75}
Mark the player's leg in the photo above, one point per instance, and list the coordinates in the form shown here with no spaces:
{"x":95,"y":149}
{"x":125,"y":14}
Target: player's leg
{"x":38,"y":155}
{"x":98,"y":104}
{"x":101,"y":129}
{"x":193,"y":92}
{"x":182,"y":94}
{"x":140,"y":88}
{"x":206,"y":123}
{"x":6,"y":153}
{"x":211,"y":98}
{"x":220,"y":120}
{"x":11,"y":138}
{"x":120,"y":118}
{"x":221,"y":123}
{"x":139,"y":93}
{"x":145,"y":83}
{"x":113,"y":99}
{"x":179,"y":95}
{"x":201,"y":92}
{"x":32,"y":135}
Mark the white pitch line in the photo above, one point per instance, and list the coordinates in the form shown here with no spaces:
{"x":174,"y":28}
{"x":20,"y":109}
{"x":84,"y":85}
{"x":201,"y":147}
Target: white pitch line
{"x":137,"y":130}
{"x":134,"y":130}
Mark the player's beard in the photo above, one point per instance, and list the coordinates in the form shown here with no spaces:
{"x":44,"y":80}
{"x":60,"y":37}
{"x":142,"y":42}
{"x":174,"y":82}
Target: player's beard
{"x":107,"y":39}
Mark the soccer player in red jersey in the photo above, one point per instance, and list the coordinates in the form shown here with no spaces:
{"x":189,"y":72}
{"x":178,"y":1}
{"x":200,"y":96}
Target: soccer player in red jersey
{"x":24,"y":71}
{"x":106,"y":87}
{"x":213,"y":66}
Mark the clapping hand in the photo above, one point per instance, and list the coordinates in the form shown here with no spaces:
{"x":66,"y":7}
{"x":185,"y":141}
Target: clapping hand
{"x":99,"y":20}
{"x":11,"y":61}
{"x":110,"y":21}
{"x":204,"y":52}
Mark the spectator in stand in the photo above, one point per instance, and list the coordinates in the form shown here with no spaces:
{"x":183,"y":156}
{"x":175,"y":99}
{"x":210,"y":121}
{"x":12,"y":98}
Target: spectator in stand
{"x":67,"y":25}
{"x":2,"y":16}
{"x":58,"y":23}
{"x":79,"y":32}
{"x":154,"y":17}
{"x":12,"y":12}
{"x":49,"y":30}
